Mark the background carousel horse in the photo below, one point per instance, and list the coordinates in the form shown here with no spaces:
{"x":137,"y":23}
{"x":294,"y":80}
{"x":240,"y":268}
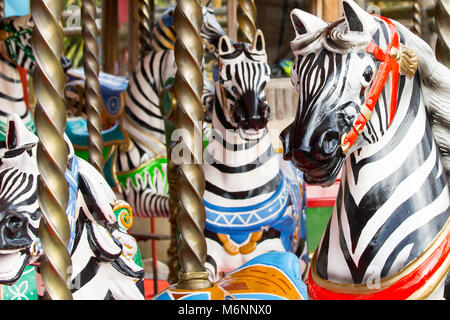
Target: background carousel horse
{"x":138,"y":168}
{"x":388,"y":236}
{"x":16,"y":51}
{"x":253,"y":198}
{"x":102,"y":252}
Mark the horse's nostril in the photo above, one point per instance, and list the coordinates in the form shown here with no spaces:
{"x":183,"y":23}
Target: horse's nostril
{"x":328,"y":142}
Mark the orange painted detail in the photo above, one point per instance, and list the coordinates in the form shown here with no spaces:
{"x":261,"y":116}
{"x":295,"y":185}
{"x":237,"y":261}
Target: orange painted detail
{"x":260,"y":279}
{"x":233,"y":249}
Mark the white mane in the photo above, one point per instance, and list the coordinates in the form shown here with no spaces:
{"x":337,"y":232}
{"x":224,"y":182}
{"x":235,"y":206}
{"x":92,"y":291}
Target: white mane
{"x":435,"y":80}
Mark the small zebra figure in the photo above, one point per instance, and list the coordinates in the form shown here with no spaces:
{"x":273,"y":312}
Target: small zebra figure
{"x":141,"y":162}
{"x":102,"y":253}
{"x":374,"y":102}
{"x":16,"y":51}
{"x":253,"y":198}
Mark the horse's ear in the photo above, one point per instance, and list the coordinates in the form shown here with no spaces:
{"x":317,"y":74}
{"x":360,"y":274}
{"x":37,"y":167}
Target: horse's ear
{"x":304,"y":22}
{"x":357,"y":19}
{"x":258,"y":43}
{"x":225,"y":45}
{"x":17,"y":134}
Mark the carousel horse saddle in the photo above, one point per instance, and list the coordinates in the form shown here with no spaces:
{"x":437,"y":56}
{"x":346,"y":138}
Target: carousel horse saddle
{"x":112,"y":89}
{"x":77,"y":131}
{"x":270,"y":276}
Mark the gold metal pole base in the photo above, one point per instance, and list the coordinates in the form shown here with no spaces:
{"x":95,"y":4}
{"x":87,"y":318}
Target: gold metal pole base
{"x":193,"y":280}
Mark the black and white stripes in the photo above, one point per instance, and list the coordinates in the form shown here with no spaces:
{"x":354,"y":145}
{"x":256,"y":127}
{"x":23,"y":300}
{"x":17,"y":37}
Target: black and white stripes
{"x":252,"y":199}
{"x":393,"y":200}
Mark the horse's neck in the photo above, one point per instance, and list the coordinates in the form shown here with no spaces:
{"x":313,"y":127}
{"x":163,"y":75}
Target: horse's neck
{"x":142,"y":116}
{"x":238,"y":171}
{"x":393,"y":199}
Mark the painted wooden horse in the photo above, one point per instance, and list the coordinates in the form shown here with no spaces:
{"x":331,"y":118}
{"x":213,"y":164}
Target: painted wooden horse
{"x":103,"y":265}
{"x":254,"y":199}
{"x":16,"y":52}
{"x":136,"y":168}
{"x":388,"y":236}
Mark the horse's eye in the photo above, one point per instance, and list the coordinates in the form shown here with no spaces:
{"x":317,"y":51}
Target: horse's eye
{"x":234,"y":89}
{"x":368,"y":74}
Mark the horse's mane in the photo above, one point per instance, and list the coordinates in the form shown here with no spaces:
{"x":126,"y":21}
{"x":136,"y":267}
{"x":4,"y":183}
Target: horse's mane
{"x":435,"y":80}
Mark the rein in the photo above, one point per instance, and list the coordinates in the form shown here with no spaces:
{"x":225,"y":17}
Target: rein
{"x":391,"y":62}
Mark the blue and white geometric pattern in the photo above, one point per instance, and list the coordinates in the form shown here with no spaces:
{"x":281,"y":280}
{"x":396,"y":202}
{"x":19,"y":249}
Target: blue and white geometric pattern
{"x":250,"y":218}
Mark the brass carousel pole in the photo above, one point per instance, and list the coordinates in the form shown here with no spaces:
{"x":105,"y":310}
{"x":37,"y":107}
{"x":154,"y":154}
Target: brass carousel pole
{"x":92,"y":84}
{"x":145,"y":26}
{"x":191,"y":216}
{"x":246,"y":17}
{"x":2,"y":9}
{"x":417,"y":18}
{"x":50,"y":119}
{"x":442,"y":17}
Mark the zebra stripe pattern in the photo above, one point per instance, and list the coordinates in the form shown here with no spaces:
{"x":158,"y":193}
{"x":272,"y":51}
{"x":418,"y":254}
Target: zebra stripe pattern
{"x":12,"y":56}
{"x":143,"y":122}
{"x":100,"y":270}
{"x":393,"y":199}
{"x":249,"y":190}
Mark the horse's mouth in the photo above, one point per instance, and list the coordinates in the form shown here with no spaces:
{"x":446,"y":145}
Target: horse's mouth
{"x":324,"y":175}
{"x":12,"y":264}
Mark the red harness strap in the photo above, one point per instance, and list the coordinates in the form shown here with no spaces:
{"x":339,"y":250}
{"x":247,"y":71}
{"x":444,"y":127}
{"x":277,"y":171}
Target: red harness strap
{"x":400,"y":290}
{"x":388,"y":65}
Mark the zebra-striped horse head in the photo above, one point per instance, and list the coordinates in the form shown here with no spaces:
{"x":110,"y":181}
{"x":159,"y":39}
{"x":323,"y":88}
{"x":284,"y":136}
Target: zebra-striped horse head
{"x":243,"y":73}
{"x":102,"y":253}
{"x":16,"y":33}
{"x":164,"y":34}
{"x":345,"y":101}
{"x":19,"y":208}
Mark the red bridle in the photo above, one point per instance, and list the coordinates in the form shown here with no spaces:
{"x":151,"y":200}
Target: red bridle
{"x":388,"y":65}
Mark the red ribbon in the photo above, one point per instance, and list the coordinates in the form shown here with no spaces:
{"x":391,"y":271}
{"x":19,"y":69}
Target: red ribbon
{"x":388,"y":65}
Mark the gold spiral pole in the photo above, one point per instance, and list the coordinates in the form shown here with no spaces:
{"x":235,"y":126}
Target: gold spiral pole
{"x":417,"y":18}
{"x":145,"y":25}
{"x":50,"y":119}
{"x":442,"y":18}
{"x":246,"y":17}
{"x":191,"y":216}
{"x":92,"y":85}
{"x":2,"y":9}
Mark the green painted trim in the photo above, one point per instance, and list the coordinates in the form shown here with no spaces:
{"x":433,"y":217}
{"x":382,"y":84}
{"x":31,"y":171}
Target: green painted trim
{"x":148,"y":168}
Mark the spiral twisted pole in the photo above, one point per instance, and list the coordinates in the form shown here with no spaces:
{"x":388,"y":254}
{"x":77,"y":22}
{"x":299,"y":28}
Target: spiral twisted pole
{"x":52,"y":153}
{"x":145,"y":26}
{"x":246,"y":17}
{"x":92,"y":85}
{"x":191,"y":216}
{"x":2,"y":9}
{"x":442,"y":18}
{"x":417,"y":18}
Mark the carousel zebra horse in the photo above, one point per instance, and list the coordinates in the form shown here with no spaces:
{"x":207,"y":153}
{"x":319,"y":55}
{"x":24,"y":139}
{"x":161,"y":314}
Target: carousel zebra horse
{"x":388,"y":236}
{"x":15,"y":52}
{"x":254,"y":199}
{"x":141,"y":161}
{"x":102,"y":252}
